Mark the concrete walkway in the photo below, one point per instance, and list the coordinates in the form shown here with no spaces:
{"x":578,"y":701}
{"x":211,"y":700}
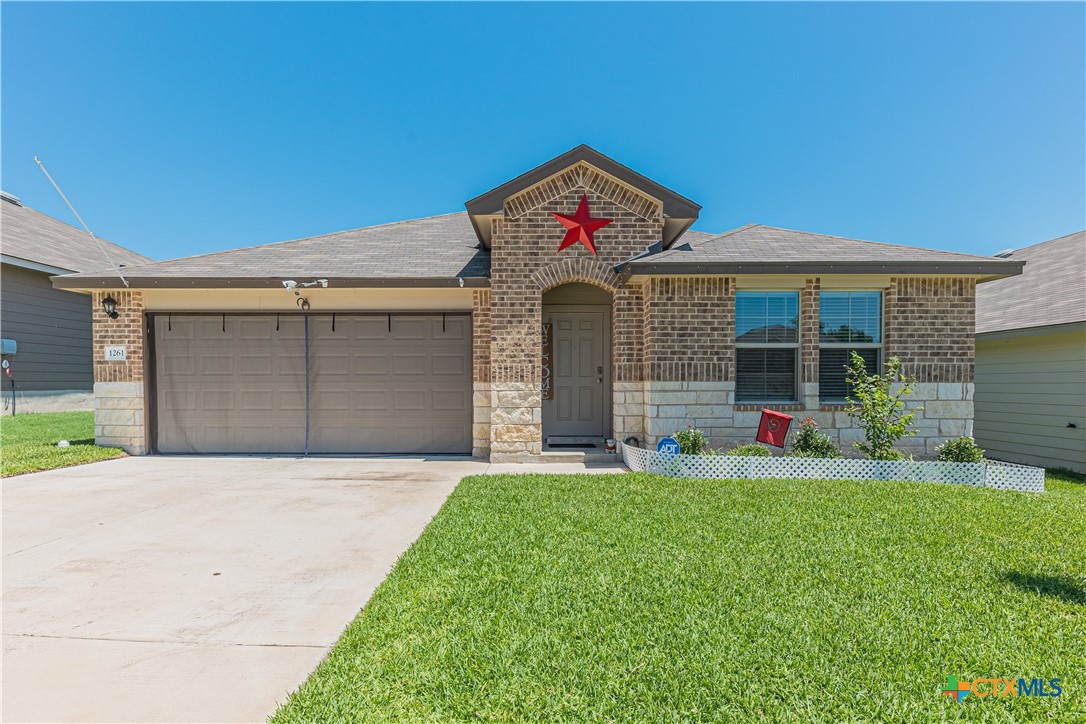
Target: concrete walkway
{"x":195,"y":588}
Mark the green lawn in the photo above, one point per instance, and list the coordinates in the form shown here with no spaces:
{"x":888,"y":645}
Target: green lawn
{"x":643,"y":598}
{"x":29,"y":442}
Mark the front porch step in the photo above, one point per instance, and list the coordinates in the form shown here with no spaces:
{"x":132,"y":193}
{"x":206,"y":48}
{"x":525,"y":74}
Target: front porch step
{"x":588,"y":457}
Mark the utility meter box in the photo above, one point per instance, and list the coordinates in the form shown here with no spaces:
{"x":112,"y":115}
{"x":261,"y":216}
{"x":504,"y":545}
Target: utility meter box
{"x":7,"y":347}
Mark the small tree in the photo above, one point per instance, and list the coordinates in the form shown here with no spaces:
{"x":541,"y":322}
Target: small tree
{"x":879,"y":410}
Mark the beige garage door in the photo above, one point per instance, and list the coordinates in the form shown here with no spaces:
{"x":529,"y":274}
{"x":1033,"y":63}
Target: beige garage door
{"x":339,"y":383}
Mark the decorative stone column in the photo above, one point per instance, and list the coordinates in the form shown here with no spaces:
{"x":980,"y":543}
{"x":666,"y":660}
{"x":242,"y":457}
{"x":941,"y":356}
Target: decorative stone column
{"x":119,"y":413}
{"x":480,"y":342}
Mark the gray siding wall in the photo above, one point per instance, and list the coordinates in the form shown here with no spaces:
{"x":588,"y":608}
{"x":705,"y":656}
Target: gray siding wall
{"x":1027,"y":389}
{"x":52,"y":328}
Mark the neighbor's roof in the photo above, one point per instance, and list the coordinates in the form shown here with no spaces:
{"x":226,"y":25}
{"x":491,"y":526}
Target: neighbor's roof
{"x":31,"y":236}
{"x":1051,"y":289}
{"x":758,"y":249}
{"x":434,"y":251}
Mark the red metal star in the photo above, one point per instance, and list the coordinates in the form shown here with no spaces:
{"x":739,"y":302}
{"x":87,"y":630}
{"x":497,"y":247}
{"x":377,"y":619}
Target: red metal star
{"x":581,"y":226}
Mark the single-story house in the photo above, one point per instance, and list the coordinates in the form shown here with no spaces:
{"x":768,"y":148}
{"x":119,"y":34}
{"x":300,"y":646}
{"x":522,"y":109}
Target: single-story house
{"x":49,"y":329}
{"x":568,"y":305}
{"x":1031,"y":358}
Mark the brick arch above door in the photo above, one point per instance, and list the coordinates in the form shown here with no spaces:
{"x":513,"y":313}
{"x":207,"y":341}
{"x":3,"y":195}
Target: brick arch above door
{"x":586,"y":271}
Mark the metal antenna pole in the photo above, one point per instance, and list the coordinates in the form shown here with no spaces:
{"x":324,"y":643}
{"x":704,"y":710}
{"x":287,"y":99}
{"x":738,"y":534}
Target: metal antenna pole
{"x":83,"y":223}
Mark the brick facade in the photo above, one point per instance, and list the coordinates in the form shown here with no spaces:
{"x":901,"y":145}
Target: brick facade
{"x":126,"y":329}
{"x":929,"y":325}
{"x":119,"y":410}
{"x":689,"y":329}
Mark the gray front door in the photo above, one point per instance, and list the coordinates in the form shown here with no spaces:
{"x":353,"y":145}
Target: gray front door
{"x":580,"y":374}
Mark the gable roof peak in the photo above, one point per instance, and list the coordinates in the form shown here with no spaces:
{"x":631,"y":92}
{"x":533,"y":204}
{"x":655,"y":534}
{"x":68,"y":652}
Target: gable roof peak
{"x":679,"y":212}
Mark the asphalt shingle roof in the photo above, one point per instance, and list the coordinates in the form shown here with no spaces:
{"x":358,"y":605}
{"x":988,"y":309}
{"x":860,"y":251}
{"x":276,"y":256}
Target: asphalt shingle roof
{"x":757,"y":243}
{"x":437,"y":247}
{"x":758,"y":249}
{"x":33,"y":236}
{"x":1051,"y":289}
{"x":446,"y":248}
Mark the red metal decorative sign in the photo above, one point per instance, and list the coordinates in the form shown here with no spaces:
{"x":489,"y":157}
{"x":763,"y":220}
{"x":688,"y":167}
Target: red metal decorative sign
{"x":581,"y":226}
{"x":773,"y":429}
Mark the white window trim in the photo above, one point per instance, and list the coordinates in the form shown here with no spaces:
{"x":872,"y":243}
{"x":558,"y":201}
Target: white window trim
{"x":852,"y":345}
{"x":798,"y":367}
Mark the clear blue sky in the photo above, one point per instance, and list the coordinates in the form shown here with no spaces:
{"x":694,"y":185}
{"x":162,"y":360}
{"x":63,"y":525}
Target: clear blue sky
{"x":185,"y":128}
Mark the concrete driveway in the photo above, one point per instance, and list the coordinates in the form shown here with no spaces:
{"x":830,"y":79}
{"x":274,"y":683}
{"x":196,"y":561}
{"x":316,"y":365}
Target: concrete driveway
{"x":195,"y":589}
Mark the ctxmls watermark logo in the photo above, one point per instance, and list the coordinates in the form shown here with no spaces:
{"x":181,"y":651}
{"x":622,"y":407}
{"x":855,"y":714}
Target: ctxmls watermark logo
{"x":982,"y":688}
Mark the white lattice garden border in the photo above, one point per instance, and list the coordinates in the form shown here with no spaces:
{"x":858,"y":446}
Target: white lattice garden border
{"x":990,"y":474}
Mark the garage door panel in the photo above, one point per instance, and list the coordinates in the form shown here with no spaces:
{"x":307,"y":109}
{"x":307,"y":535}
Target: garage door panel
{"x":216,"y":364}
{"x":407,"y":328}
{"x":217,"y":400}
{"x":450,"y":400}
{"x":455,"y":365}
{"x":411,"y":364}
{"x":364,"y":328}
{"x":335,"y":363}
{"x":370,"y":364}
{"x":456,"y":327}
{"x":390,"y":415}
{"x":255,"y":364}
{"x":409,"y":400}
{"x":370,"y":400}
{"x":331,"y":401}
{"x":244,"y":389}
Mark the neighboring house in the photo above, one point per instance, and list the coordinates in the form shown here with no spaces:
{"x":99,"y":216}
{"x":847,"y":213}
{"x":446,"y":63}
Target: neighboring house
{"x":51,"y":328}
{"x":499,"y":332}
{"x":1031,"y":358}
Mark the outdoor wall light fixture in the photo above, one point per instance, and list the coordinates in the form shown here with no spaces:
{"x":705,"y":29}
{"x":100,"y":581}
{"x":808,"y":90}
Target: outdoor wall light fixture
{"x":109,"y":306}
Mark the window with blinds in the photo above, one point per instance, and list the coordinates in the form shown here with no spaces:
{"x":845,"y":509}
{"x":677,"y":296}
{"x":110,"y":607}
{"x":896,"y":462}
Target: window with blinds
{"x":766,"y":346}
{"x":848,"y":322}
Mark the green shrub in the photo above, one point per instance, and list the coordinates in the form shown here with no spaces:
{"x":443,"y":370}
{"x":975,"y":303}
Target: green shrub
{"x":808,"y":442}
{"x":960,"y":450}
{"x":691,"y":441}
{"x":753,"y":450}
{"x":878,"y":409}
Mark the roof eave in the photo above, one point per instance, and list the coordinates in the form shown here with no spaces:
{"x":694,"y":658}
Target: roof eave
{"x":986,"y":269}
{"x":137,"y":282}
{"x":34,"y":265}
{"x":1029,"y":331}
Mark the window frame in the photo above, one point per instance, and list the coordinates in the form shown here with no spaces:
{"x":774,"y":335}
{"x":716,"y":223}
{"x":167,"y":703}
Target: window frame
{"x":851,"y":345}
{"x":796,"y":346}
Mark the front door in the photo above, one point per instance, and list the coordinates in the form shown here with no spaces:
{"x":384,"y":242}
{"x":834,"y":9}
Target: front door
{"x":579,"y":374}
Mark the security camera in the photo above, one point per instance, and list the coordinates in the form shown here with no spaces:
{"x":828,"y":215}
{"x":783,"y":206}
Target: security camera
{"x":290,"y":284}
